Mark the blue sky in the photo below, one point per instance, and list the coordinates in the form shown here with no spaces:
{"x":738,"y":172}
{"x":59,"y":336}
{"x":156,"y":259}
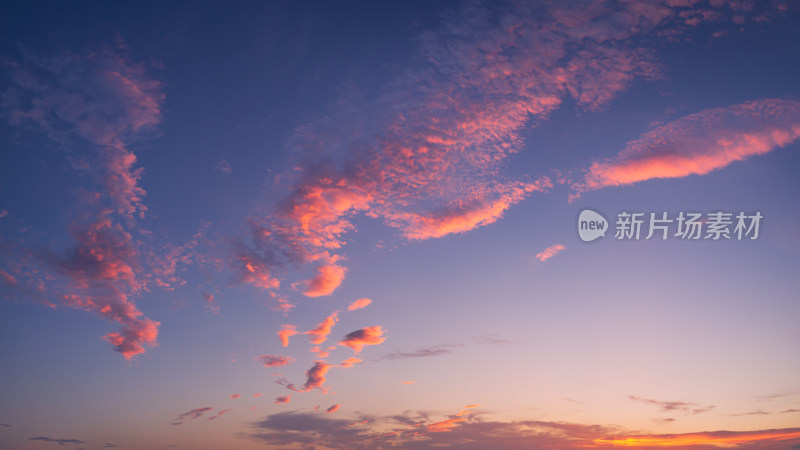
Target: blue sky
{"x":183,"y":183}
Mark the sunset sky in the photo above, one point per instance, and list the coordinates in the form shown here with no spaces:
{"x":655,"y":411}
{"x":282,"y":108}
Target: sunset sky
{"x":354,"y":225}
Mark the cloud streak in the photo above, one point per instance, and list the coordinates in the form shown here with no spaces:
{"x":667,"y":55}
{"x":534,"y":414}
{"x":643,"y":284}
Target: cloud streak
{"x":190,"y":415}
{"x":699,"y":143}
{"x":549,"y":252}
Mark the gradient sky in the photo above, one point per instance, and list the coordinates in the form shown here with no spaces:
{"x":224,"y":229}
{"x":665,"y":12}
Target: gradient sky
{"x":345,"y":225}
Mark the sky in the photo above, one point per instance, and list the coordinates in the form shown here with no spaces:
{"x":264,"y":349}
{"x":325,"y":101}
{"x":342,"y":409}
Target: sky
{"x":358,"y":225}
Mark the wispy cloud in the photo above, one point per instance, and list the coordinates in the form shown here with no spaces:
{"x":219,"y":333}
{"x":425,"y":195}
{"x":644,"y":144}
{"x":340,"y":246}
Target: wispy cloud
{"x":688,"y":408}
{"x":219,"y":414}
{"x":549,"y":252}
{"x":443,"y":349}
{"x":333,"y":408}
{"x":425,"y":155}
{"x":191,"y":414}
{"x":699,"y":143}
{"x":56,"y":440}
{"x":224,"y":166}
{"x":358,"y":304}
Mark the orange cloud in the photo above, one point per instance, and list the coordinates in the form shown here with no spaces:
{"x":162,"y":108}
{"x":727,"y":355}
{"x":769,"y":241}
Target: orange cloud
{"x":328,"y":278}
{"x":333,"y":408}
{"x":235,"y":396}
{"x":349,"y":362}
{"x":319,"y":334}
{"x":365,"y":336}
{"x":714,"y":439}
{"x":315,"y":376}
{"x":285,"y":332}
{"x":549,"y":252}
{"x":699,"y":143}
{"x":407,"y":382}
{"x":358,"y":304}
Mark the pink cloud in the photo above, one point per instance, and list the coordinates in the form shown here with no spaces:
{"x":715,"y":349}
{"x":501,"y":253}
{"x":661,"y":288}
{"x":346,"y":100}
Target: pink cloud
{"x":235,"y":396}
{"x":358,"y":304}
{"x":699,"y":143}
{"x":328,"y":278}
{"x":333,"y":408}
{"x":549,"y":252}
{"x":274,"y":360}
{"x":104,"y":99}
{"x":315,"y":376}
{"x":283,"y":399}
{"x":285,"y":332}
{"x":320,"y":333}
{"x":365,"y":336}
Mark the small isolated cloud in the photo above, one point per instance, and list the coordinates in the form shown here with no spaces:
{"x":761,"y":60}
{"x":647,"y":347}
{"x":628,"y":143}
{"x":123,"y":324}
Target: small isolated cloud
{"x":407,"y":382}
{"x":224,"y":167}
{"x":212,"y":304}
{"x":191,"y":414}
{"x":219,"y":414}
{"x":57,"y":441}
{"x":333,"y":408}
{"x":285,"y":332}
{"x":274,"y":360}
{"x":315,"y":376}
{"x":664,"y":421}
{"x":327,"y":279}
{"x":358,"y":304}
{"x":283,"y":399}
{"x":549,"y":252}
{"x":349,"y":362}
{"x":365,"y":336}
{"x":235,"y":396}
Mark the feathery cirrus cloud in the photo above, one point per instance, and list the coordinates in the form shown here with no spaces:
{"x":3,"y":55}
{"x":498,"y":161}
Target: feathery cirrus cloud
{"x":698,"y":144}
